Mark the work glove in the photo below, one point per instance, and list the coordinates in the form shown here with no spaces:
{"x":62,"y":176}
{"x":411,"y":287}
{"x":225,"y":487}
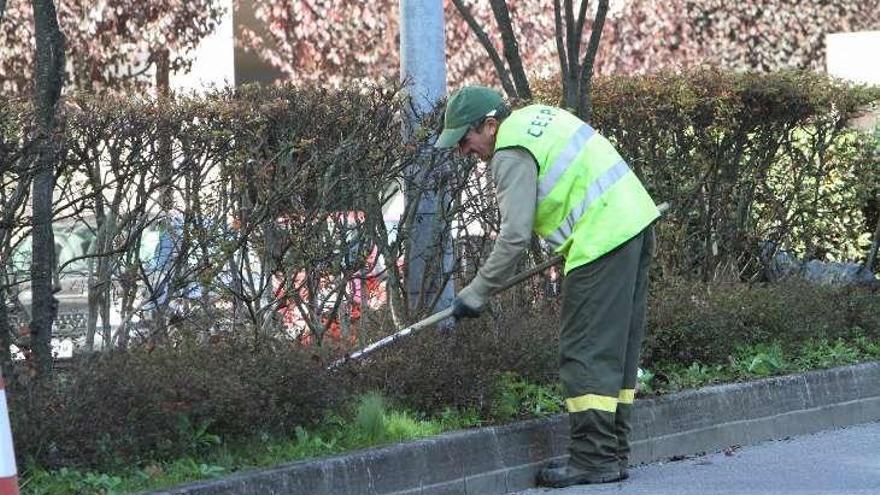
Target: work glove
{"x":471,"y":301}
{"x":461,"y":309}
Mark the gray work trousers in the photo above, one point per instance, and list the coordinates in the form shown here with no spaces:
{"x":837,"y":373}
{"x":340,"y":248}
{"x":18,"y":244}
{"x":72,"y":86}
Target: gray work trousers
{"x":603,"y":328}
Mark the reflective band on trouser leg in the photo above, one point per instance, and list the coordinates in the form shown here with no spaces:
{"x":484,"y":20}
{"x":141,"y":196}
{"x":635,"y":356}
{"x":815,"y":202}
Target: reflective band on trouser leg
{"x":8,"y":473}
{"x":591,"y":401}
{"x":627,"y":396}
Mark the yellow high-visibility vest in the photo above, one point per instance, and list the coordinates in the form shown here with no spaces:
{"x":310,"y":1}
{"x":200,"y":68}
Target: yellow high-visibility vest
{"x":589,"y":201}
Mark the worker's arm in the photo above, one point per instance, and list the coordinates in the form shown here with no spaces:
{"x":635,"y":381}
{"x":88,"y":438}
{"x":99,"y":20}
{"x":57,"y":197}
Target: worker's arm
{"x":515,"y":174}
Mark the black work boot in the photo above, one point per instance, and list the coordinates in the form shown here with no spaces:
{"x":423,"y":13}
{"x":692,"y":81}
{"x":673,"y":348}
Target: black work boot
{"x":559,"y":474}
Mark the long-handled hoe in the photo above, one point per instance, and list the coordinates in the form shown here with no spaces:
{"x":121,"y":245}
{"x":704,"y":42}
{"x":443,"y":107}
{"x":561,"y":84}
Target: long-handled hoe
{"x":446,"y":313}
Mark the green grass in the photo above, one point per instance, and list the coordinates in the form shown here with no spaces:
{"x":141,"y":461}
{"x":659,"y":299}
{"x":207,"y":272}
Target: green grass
{"x":517,"y":398}
{"x":372,"y":422}
{"x":759,"y":361}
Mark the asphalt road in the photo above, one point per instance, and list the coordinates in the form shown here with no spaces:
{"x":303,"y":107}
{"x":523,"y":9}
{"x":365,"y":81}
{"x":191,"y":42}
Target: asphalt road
{"x":837,"y":462}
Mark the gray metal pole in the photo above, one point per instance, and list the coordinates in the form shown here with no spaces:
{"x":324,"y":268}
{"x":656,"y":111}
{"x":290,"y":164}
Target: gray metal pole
{"x":423,"y":65}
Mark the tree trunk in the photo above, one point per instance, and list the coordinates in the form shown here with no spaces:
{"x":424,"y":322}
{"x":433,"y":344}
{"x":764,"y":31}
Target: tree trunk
{"x":166,"y":171}
{"x":500,"y":68}
{"x":93,"y":302}
{"x":872,"y":254}
{"x":511,"y":48}
{"x":344,"y":318}
{"x":5,"y":326}
{"x":166,"y":165}
{"x":571,"y":83}
{"x":585,"y":104}
{"x":237,"y":289}
{"x":96,"y":266}
{"x":163,"y":72}
{"x":101,"y":292}
{"x":49,"y":64}
{"x":394,"y":293}
{"x":107,"y":293}
{"x":128,"y":291}
{"x":562,"y":53}
{"x":44,"y":306}
{"x":577,"y":74}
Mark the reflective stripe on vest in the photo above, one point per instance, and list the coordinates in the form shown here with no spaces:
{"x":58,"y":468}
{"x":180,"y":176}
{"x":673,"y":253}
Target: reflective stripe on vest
{"x":598,"y":187}
{"x":564,"y":160}
{"x":588,"y":200}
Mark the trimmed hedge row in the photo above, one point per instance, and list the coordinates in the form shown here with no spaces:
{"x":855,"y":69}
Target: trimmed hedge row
{"x":744,"y":159}
{"x":277,"y":196}
{"x":747,"y":161}
{"x":118,"y":408}
{"x":124,"y":408}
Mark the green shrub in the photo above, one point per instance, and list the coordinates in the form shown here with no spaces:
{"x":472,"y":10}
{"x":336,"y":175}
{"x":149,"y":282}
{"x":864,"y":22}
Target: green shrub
{"x":744,"y":158}
{"x":438,"y":369}
{"x":122,"y":407}
{"x":708,"y":323}
{"x":138,"y":407}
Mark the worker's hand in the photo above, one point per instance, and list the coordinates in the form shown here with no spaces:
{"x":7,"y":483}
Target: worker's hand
{"x":461,"y":309}
{"x":469,"y":303}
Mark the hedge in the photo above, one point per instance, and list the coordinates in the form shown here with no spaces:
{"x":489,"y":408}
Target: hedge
{"x":128,"y":408}
{"x":273,"y":203}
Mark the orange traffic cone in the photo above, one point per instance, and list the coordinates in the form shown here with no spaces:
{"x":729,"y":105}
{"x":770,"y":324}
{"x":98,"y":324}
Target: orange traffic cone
{"x":8,"y":473}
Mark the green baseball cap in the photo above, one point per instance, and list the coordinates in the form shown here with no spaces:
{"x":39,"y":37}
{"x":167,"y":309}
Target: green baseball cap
{"x":463,"y":108}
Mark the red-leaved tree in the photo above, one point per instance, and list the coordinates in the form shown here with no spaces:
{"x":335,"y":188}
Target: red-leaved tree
{"x":111,"y":44}
{"x":337,"y":40}
{"x":332,"y":41}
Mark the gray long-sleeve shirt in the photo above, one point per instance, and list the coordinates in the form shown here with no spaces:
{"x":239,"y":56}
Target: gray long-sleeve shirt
{"x":515,"y":175}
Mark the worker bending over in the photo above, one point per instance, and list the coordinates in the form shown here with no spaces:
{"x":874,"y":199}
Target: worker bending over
{"x":556,"y":175}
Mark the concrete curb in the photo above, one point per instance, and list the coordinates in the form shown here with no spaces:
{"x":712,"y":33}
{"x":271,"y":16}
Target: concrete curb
{"x":504,"y":459}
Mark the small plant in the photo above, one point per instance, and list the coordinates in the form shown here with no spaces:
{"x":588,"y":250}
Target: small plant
{"x":66,"y":480}
{"x":312,"y":444}
{"x":376,"y":424}
{"x":101,"y":483}
{"x":197,"y":469}
{"x":517,"y":397}
{"x":403,"y":426}
{"x":645,"y":382}
{"x":870,"y":348}
{"x":371,"y":417}
{"x":823,"y":354}
{"x":454,"y":419}
{"x":196,"y":438}
{"x":695,"y":375}
{"x":761,"y":360}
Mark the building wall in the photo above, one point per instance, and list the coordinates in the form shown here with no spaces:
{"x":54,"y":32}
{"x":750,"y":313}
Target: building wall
{"x":213,"y":61}
{"x":856,"y":57}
